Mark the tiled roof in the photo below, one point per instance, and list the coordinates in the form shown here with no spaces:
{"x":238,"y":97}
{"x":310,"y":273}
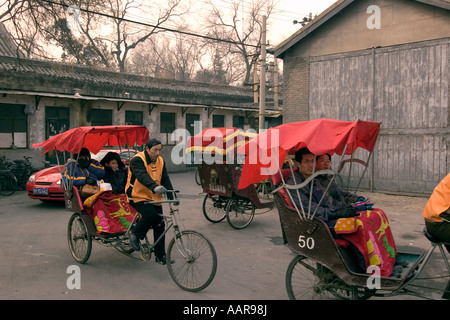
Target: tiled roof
{"x":7,"y":45}
{"x":46,"y":77}
{"x":58,"y":78}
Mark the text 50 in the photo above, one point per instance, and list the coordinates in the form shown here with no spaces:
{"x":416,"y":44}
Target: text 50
{"x":306,"y":242}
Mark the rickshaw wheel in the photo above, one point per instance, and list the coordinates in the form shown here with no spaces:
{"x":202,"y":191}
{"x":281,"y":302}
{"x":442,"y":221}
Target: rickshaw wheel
{"x":195,"y":260}
{"x":240,"y":212}
{"x":306,"y":279}
{"x":80,"y":242}
{"x":214,"y":208}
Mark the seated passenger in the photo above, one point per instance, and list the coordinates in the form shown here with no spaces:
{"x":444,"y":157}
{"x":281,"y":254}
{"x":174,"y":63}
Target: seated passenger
{"x":110,"y":209}
{"x":326,"y":211}
{"x":364,"y":236}
{"x":84,"y":171}
{"x":335,"y":193}
{"x":116,"y":173}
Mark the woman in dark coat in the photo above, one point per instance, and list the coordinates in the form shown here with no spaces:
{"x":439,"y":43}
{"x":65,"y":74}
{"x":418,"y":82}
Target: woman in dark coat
{"x":115,"y":172}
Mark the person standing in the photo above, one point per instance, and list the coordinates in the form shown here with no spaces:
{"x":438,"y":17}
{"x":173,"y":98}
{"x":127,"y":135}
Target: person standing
{"x":147,"y":181}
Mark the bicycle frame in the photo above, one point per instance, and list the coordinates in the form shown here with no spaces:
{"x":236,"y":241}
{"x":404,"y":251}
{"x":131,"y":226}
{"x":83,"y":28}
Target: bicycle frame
{"x":409,"y":281}
{"x":170,"y":221}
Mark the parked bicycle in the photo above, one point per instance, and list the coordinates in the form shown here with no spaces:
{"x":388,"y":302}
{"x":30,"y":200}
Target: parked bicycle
{"x":8,"y":181}
{"x":22,"y":169}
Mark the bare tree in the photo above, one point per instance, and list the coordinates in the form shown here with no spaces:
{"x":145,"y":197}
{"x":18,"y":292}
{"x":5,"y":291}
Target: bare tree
{"x":9,"y":8}
{"x":168,"y":57}
{"x":129,"y":37}
{"x":102,"y":32}
{"x":242,"y":24}
{"x":110,"y":34}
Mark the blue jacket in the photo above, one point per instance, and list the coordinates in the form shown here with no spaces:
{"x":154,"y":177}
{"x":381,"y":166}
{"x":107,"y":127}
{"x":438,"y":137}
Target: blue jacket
{"x":79,"y":176}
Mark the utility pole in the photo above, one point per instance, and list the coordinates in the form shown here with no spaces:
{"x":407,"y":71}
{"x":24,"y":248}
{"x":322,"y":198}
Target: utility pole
{"x":262,"y":86}
{"x":255,"y":80}
{"x":275,"y":84}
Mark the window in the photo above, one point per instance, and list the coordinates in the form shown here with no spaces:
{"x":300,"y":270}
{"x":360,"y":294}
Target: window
{"x":218,"y":121}
{"x":13,"y":126}
{"x":101,"y":117}
{"x":192,"y":120}
{"x":238,"y":122}
{"x":57,"y":120}
{"x":134,"y":117}
{"x":167,"y":122}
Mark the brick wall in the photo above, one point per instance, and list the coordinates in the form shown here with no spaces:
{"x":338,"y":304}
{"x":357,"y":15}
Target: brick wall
{"x":296,"y":94}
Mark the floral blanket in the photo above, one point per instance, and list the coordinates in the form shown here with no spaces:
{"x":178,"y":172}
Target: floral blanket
{"x":371,"y":234}
{"x":112,"y":213}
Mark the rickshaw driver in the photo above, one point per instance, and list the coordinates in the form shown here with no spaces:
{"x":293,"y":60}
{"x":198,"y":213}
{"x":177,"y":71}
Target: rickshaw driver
{"x":147,"y":181}
{"x":437,"y":211}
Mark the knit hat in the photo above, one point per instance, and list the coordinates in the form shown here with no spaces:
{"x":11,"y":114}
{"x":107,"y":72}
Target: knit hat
{"x":83,"y":153}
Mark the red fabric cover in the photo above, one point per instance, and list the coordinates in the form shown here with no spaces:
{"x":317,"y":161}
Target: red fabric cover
{"x":373,"y":238}
{"x":95,"y":138}
{"x":320,"y":136}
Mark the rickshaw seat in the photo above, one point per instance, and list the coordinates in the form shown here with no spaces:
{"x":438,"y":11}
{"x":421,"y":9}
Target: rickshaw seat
{"x":276,"y":180}
{"x":73,"y":200}
{"x":432,"y":238}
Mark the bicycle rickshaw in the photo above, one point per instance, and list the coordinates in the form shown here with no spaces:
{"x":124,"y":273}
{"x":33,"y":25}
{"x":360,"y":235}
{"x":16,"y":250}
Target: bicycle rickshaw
{"x":219,"y":169}
{"x":194,"y":255}
{"x":319,"y":269}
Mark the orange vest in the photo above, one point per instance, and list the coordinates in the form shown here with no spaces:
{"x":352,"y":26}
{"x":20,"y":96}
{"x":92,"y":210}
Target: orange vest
{"x":141,"y":192}
{"x":439,"y":201}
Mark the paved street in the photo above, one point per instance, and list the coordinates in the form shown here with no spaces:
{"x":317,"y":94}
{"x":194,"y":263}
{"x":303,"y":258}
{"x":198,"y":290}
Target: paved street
{"x":251,"y":262}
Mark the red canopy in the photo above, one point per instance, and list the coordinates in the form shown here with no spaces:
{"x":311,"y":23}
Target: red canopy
{"x":320,"y":136}
{"x":220,"y":140}
{"x":95,"y":138}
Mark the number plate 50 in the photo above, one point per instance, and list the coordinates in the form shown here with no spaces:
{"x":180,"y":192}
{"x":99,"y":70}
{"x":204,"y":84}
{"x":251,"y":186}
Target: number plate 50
{"x":307,"y":242}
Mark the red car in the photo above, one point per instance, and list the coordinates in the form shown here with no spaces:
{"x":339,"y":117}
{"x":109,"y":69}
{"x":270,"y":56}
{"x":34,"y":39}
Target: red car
{"x":46,"y":183}
{"x":125,"y":154}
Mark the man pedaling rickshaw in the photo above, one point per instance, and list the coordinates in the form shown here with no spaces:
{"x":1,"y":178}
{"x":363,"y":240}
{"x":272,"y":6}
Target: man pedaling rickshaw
{"x":147,"y":181}
{"x":350,"y":218}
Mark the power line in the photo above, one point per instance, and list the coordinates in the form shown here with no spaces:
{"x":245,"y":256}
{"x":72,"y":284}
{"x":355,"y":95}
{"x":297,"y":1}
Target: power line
{"x":153,"y":26}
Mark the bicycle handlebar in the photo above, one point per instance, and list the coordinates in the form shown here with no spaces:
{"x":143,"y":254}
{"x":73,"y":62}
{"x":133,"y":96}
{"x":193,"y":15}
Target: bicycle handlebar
{"x":175,"y":200}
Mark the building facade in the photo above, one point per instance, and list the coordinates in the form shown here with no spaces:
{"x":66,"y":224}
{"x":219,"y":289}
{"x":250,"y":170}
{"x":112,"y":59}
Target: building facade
{"x":385,"y":61}
{"x":39,"y":99}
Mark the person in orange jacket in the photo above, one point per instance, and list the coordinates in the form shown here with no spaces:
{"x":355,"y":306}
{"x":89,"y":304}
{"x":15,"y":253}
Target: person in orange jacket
{"x":147,"y":181}
{"x":437,"y":211}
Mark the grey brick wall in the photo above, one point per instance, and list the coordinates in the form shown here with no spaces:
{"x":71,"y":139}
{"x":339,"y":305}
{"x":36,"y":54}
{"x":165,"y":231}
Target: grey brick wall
{"x":296,"y":95}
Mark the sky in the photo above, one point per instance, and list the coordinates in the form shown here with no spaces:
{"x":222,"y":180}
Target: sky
{"x":281,"y":24}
